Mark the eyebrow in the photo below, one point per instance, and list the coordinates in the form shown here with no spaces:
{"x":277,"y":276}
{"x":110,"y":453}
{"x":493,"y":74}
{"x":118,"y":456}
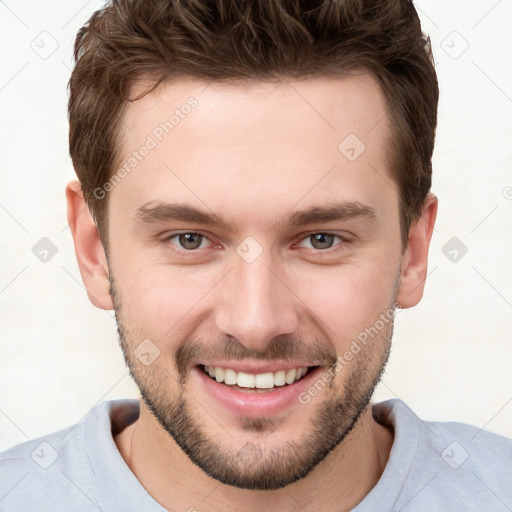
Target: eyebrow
{"x":162,"y":212}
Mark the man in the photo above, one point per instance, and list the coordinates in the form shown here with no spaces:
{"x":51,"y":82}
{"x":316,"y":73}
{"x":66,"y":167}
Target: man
{"x":254,"y":203}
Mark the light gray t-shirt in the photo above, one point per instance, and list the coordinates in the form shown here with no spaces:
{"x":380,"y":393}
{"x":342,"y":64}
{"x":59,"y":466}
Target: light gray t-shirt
{"x":433,"y":467}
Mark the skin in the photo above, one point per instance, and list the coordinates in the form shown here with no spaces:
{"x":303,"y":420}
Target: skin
{"x":252,"y":154}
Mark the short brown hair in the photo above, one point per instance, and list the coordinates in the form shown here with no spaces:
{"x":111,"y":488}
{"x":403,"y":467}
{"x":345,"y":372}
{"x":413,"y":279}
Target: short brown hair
{"x":245,"y":40}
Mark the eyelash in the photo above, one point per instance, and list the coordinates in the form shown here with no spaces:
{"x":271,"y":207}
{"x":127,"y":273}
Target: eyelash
{"x":167,"y":240}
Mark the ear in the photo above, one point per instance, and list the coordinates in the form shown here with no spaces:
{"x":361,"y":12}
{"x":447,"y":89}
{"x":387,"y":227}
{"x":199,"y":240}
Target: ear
{"x":413,"y":271}
{"x":89,"y":250}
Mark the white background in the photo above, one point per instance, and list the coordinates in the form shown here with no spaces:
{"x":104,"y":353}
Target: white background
{"x":452,"y":354}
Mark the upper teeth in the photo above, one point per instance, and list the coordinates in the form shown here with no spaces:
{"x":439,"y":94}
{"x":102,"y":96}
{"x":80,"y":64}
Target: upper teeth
{"x":260,"y":380}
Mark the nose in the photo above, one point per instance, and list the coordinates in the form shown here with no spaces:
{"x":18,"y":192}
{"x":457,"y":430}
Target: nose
{"x":254,"y":304}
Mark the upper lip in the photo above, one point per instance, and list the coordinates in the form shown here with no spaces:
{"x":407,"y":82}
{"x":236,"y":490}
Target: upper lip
{"x":257,"y":368}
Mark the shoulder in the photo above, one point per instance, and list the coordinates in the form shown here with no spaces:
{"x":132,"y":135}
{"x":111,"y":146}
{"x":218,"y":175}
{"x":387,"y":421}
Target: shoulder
{"x":450,"y":464}
{"x":475,"y":460}
{"x":34,"y":471}
{"x":55,"y":469}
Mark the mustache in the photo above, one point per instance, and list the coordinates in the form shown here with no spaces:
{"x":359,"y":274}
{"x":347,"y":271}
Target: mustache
{"x":283,"y":347}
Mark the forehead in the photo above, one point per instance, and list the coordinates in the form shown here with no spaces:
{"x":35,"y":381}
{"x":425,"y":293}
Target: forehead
{"x":247,"y":145}
{"x":327,"y":105}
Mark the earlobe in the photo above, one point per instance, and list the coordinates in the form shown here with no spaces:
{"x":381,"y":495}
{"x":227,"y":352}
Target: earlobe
{"x":89,"y":250}
{"x":413,"y":271}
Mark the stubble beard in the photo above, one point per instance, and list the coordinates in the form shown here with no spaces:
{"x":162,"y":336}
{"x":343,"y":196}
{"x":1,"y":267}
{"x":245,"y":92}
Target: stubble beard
{"x":254,"y":464}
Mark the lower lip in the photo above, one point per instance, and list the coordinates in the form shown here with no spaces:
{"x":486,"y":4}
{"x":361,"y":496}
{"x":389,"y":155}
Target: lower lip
{"x":253,"y":404}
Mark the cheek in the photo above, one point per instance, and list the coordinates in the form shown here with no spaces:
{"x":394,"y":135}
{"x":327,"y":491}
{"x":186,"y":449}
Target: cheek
{"x":162,"y":299}
{"x":349,"y":299}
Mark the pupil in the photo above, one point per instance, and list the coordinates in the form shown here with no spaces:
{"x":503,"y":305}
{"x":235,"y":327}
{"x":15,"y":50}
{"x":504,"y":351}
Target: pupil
{"x":187,"y":240}
{"x":322,"y":240}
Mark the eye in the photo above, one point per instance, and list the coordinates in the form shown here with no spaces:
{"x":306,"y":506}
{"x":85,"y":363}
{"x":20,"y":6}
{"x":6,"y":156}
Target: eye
{"x":188,"y":241}
{"x":322,"y":241}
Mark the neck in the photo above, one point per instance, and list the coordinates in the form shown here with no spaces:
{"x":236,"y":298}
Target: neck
{"x":338,"y":483}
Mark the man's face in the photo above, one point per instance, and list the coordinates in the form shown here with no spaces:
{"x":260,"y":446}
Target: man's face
{"x":270,"y":290}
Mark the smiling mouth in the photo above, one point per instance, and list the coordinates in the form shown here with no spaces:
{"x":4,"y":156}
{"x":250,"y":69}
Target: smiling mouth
{"x":256,"y":383}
